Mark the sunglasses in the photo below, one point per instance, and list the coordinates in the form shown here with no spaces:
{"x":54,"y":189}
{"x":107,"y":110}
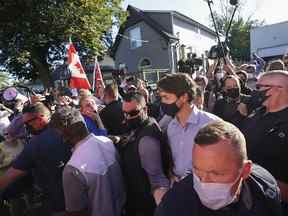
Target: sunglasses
{"x":30,"y":120}
{"x":259,"y":86}
{"x":132,"y":113}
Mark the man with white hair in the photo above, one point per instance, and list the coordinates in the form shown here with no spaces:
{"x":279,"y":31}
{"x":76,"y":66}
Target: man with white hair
{"x":266,"y":130}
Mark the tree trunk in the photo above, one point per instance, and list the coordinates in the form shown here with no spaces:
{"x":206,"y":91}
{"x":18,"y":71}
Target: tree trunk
{"x":44,"y":73}
{"x":41,"y":66}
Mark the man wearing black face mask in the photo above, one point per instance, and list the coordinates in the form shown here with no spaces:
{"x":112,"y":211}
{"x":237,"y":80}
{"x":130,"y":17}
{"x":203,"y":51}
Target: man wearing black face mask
{"x":227,"y":107}
{"x":112,"y":115}
{"x":266,"y":129}
{"x":177,"y":92}
{"x":141,"y":159}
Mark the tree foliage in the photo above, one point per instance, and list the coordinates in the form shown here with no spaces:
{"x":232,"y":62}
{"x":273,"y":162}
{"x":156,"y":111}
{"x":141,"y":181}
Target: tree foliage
{"x":239,"y":35}
{"x":33,"y":32}
{"x":5,"y":80}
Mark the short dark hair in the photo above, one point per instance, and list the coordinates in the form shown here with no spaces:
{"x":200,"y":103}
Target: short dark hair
{"x":66,"y":116}
{"x":178,"y":84}
{"x":111,"y":90}
{"x":37,"y":108}
{"x":135,"y":96}
{"x":221,"y":130}
{"x":65,"y":92}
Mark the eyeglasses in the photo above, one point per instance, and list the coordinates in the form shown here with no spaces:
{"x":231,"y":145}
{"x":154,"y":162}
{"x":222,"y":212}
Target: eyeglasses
{"x":259,"y":86}
{"x":132,"y":113}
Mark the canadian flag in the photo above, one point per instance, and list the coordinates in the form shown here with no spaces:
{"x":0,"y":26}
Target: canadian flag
{"x":78,"y":77}
{"x":99,"y":83}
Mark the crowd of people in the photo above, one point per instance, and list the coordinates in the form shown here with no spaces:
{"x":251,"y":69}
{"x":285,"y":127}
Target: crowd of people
{"x":208,"y":145}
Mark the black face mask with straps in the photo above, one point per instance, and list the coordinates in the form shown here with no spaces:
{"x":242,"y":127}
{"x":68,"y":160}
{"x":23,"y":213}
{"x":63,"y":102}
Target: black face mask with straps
{"x":233,"y":93}
{"x":258,"y":98}
{"x":170,"y":109}
{"x":135,"y":123}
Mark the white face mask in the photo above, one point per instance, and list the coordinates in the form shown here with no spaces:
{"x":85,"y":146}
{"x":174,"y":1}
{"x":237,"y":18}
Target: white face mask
{"x":214,"y":195}
{"x":219,"y":75}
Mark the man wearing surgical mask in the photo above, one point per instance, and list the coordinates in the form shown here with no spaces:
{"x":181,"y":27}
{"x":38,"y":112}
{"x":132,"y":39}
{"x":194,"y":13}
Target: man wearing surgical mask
{"x":224,"y":182}
{"x":266,"y":129}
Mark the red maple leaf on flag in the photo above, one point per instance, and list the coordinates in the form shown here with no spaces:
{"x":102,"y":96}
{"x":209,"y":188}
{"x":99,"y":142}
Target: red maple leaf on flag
{"x":78,"y":77}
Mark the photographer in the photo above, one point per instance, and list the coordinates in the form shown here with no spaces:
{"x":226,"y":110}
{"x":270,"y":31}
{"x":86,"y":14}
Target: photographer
{"x":227,"y":107}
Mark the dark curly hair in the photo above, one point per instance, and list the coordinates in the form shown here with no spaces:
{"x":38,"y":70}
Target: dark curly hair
{"x":178,"y":84}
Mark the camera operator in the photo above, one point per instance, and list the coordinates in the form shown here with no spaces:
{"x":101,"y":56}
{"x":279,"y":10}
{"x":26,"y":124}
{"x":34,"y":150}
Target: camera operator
{"x":227,"y":107}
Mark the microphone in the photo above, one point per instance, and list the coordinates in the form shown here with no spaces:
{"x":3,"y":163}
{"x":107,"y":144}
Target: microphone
{"x":234,"y":2}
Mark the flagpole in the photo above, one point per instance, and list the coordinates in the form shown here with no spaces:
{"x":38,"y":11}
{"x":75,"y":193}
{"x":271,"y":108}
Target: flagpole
{"x":70,"y":39}
{"x":67,"y":66}
{"x":94,"y":75}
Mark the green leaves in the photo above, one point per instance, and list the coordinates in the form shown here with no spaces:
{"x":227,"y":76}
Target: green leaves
{"x":239,"y":35}
{"x":30,"y":28}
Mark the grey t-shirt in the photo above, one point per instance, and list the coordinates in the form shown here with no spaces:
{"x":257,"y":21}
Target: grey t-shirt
{"x":151,"y":161}
{"x":92,"y":178}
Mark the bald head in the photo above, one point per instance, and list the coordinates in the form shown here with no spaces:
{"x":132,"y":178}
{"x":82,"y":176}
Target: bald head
{"x":276,"y":85}
{"x":219,"y":154}
{"x":278,"y":77}
{"x":218,"y":131}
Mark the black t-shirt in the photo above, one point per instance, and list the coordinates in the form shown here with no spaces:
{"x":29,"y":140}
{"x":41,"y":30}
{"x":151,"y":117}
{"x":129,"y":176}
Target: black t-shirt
{"x":228,"y":111}
{"x":267,"y":141}
{"x":46,"y":154}
{"x":182,"y":199}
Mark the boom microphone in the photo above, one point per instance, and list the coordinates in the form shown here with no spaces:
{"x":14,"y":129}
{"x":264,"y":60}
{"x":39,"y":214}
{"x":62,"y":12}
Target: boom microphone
{"x":234,"y":2}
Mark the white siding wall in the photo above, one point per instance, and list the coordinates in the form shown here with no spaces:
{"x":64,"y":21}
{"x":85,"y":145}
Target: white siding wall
{"x":192,"y":36}
{"x":270,"y":40}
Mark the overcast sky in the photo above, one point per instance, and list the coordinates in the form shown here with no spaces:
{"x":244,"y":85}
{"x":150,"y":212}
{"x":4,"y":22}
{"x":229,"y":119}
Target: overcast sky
{"x":272,"y":11}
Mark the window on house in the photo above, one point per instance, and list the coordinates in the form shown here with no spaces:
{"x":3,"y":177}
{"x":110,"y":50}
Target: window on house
{"x":145,"y":63}
{"x":135,"y":38}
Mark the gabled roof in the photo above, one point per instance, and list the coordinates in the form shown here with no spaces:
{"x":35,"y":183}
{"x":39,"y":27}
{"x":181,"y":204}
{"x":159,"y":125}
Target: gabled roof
{"x":191,"y":21}
{"x":184,"y":18}
{"x":136,"y":15}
